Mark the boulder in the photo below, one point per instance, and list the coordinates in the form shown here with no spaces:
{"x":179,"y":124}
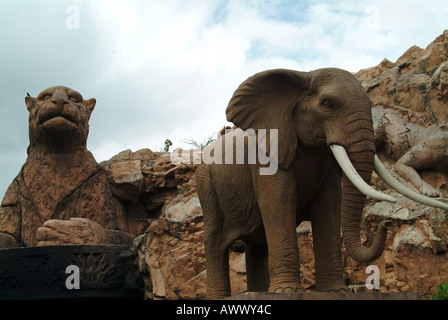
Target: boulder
{"x":127,"y":179}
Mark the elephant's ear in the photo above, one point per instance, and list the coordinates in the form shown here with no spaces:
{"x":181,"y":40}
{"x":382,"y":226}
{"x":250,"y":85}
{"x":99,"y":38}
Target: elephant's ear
{"x":267,"y":101}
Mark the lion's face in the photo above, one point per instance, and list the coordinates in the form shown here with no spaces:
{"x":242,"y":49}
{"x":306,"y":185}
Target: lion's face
{"x":59,"y":116}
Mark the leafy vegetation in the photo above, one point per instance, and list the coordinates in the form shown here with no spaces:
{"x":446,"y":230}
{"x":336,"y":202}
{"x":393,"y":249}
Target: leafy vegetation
{"x":184,"y":189}
{"x":441,"y":293}
{"x":168,"y":144}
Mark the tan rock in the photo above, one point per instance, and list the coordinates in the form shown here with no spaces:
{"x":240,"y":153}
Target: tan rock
{"x":127,"y":179}
{"x":374,"y":72}
{"x":410,"y":91}
{"x":381,"y":89}
{"x":434,"y":55}
{"x":416,"y":82}
{"x":183,"y":210}
{"x":437,"y":93}
{"x":410,"y":60}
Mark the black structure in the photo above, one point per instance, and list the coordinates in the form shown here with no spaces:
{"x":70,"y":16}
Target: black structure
{"x":105,"y":271}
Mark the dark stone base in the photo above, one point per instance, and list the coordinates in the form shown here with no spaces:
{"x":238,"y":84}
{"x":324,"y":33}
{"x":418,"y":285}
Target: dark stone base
{"x":105,"y":271}
{"x":327,"y":296}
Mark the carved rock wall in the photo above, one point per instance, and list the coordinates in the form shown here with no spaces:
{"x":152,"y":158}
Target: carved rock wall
{"x":415,"y":84}
{"x":414,"y":87}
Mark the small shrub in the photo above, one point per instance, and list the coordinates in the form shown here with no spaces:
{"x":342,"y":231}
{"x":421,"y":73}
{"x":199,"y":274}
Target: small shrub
{"x":184,"y":189}
{"x":168,"y":144}
{"x":441,"y":293}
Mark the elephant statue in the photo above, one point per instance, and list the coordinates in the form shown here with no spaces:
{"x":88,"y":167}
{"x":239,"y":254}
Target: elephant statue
{"x":317,"y":128}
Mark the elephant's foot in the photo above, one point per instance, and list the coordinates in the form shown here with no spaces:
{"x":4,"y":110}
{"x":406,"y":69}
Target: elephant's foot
{"x":217,"y":296}
{"x":287,"y":287}
{"x":344,"y":289}
{"x":333,"y":288}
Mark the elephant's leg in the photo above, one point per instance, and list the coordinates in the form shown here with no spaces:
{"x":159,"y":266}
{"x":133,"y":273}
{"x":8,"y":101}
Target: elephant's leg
{"x":277,"y":203}
{"x":216,"y":240}
{"x":325,"y":212}
{"x":216,"y":255}
{"x":257,"y":267}
{"x":217,"y":268}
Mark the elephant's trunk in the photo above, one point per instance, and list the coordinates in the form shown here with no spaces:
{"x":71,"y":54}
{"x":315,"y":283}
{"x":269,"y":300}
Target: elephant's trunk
{"x":361,"y":151}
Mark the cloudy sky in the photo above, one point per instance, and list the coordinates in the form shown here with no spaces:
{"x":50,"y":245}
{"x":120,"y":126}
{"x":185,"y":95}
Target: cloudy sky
{"x":166,"y":69}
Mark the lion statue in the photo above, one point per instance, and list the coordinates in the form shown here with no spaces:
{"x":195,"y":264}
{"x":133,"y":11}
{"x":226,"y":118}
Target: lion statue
{"x":61,"y":195}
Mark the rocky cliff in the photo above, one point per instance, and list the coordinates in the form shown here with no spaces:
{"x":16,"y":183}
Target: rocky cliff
{"x":413,"y":90}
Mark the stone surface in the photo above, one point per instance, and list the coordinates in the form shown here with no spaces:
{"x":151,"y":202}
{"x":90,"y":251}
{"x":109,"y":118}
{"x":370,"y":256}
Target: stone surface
{"x":127,"y":179}
{"x":146,"y":182}
{"x":415,"y":84}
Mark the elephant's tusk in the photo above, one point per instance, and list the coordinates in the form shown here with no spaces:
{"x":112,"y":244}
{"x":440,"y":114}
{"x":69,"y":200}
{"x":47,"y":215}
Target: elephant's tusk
{"x":346,"y":165}
{"x":391,"y":181}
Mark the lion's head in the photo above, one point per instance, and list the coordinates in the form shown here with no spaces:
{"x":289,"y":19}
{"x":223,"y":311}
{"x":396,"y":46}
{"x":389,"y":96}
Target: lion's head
{"x":59,"y":118}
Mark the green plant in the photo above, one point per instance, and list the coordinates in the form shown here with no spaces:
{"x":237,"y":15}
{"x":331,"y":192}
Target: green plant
{"x":441,"y":293}
{"x":168,"y":144}
{"x":184,"y":189}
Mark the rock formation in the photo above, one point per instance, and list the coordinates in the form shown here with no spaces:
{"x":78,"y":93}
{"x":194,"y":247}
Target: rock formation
{"x":411,"y":93}
{"x":416,"y":84}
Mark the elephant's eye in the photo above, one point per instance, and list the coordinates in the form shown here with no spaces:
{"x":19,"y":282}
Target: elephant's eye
{"x":327,"y":104}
